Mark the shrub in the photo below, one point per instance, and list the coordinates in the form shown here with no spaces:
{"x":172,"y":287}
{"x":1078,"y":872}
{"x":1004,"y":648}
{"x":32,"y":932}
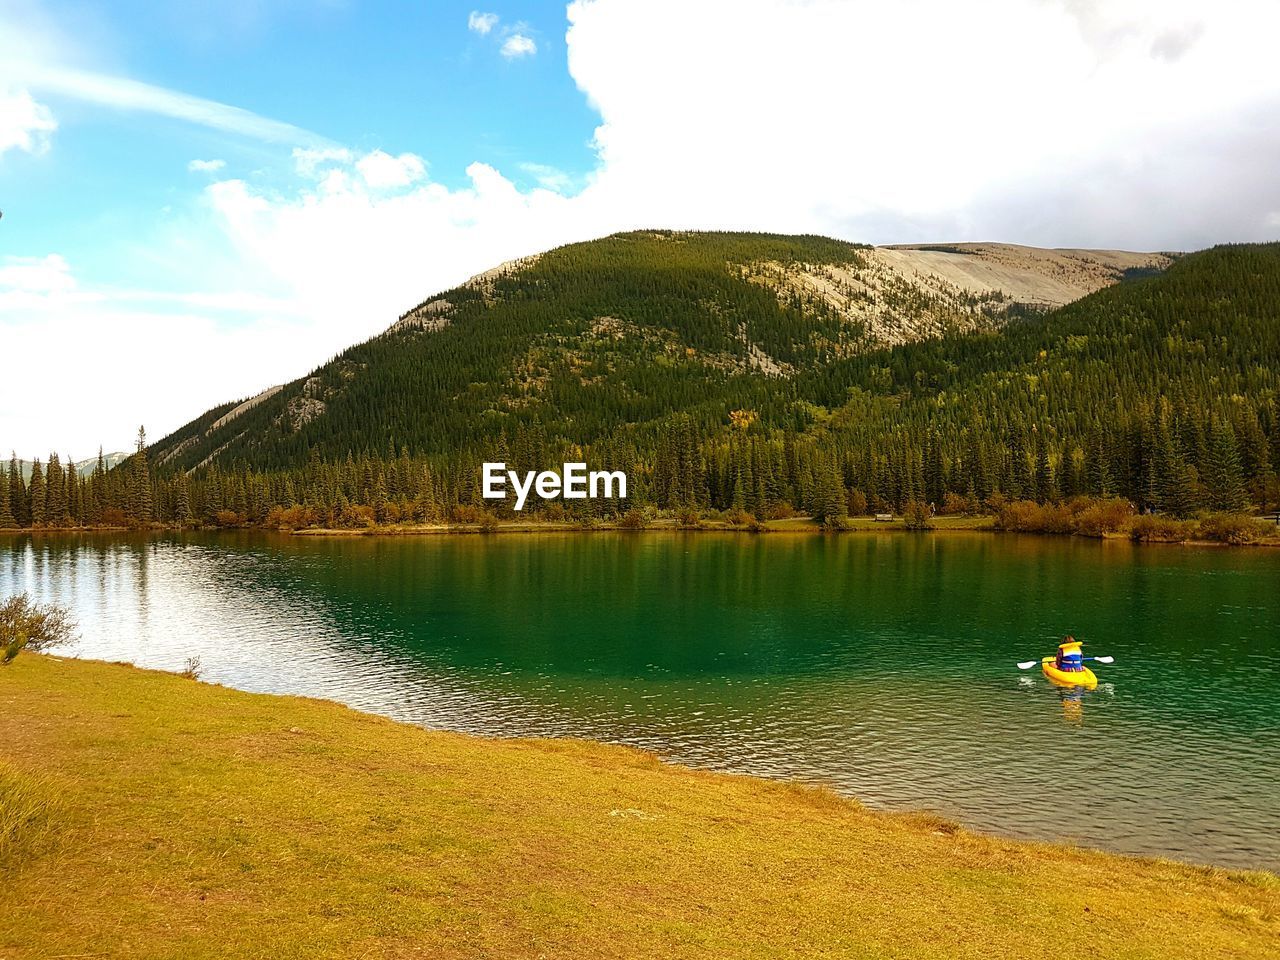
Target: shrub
{"x":779,"y":511}
{"x":1097,"y":518}
{"x":466,"y":513}
{"x":25,"y":625}
{"x":634,"y":519}
{"x":1153,"y":529}
{"x":955,"y":503}
{"x":1084,"y":516}
{"x":355,"y":515}
{"x":857,"y":503}
{"x":290,"y":518}
{"x":228,"y":518}
{"x":1027,"y":516}
{"x":688,"y":518}
{"x":554,"y":512}
{"x":487,"y":523}
{"x":739,"y":518}
{"x":833,"y":522}
{"x":916,"y":516}
{"x":191,"y":669}
{"x":1232,"y":528}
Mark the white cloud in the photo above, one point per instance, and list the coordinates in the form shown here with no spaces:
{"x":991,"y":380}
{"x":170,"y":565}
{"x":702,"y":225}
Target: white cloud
{"x":381,"y":170}
{"x":24,"y":124}
{"x":123,"y":93}
{"x":307,"y":161}
{"x":1149,"y":124}
{"x":1043,"y":121}
{"x":206,"y":166}
{"x":130,"y":351}
{"x":547,"y":177}
{"x":482,"y":23}
{"x":518,"y":45}
{"x":23,"y":277}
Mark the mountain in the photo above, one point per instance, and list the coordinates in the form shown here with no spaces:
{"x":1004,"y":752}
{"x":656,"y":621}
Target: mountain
{"x":84,"y":468}
{"x":613,"y":336}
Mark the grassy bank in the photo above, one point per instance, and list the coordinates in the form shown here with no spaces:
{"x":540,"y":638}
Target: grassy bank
{"x":146,"y":815}
{"x":789,"y":525}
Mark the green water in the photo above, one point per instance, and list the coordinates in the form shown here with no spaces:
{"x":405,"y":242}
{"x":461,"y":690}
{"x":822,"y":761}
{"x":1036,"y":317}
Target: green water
{"x":880,"y":664}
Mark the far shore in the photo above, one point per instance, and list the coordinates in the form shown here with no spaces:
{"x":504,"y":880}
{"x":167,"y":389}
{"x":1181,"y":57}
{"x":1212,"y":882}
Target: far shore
{"x":944,"y":524}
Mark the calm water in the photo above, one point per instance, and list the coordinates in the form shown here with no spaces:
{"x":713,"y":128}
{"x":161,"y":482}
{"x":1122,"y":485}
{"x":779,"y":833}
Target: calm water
{"x":882,"y":665}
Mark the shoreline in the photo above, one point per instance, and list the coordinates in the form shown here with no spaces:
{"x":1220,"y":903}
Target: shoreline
{"x":187,"y":818}
{"x":951,"y":524}
{"x":936,"y":820}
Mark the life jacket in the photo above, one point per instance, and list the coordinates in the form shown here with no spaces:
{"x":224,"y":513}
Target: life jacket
{"x":1070,"y":659}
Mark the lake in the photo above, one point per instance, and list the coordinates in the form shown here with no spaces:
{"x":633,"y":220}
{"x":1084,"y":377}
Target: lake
{"x":882,"y":665}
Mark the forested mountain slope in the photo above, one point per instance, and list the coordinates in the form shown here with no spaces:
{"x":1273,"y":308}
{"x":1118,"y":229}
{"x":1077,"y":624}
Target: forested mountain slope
{"x":588,"y":339}
{"x":675,"y":358}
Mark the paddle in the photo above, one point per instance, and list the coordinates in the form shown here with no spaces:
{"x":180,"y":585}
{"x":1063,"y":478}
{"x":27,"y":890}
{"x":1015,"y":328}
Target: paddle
{"x":1032,"y":663}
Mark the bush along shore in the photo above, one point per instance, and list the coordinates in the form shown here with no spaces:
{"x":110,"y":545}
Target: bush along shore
{"x":145,"y":814}
{"x":1096,"y":518}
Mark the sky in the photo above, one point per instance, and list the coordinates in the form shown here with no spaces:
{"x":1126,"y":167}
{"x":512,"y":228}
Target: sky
{"x":205,"y":198}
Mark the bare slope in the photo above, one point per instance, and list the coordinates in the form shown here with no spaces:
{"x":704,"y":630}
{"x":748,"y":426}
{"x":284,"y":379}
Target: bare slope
{"x":903,"y":294}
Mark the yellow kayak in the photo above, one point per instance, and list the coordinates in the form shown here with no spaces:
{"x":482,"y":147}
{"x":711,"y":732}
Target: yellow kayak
{"x":1075,"y":678}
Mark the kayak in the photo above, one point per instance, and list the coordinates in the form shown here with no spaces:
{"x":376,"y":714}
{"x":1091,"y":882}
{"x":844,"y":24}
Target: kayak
{"x":1076,"y":678}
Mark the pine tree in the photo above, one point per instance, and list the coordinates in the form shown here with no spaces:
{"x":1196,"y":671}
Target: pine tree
{"x":141,"y":475}
{"x":831,"y":500}
{"x":75,"y":505}
{"x":1046,"y":489}
{"x":1100,"y":478}
{"x":1174,"y":481}
{"x":7,"y":519}
{"x":182,"y":502}
{"x":17,"y":493}
{"x":1222,"y":474}
{"x":36,"y":494}
{"x":55,"y":485}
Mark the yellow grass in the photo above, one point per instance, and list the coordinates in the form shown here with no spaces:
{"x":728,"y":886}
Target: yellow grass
{"x":170,"y":818}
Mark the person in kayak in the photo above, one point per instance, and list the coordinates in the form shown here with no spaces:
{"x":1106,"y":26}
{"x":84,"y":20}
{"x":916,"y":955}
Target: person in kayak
{"x":1070,"y":658}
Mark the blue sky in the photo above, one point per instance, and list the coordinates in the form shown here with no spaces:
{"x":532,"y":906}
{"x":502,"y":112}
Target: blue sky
{"x":204,"y":198}
{"x":412,"y":78}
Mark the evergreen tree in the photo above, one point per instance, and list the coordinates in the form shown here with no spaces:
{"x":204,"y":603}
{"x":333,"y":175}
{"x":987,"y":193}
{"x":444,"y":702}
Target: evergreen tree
{"x":182,"y":501}
{"x":141,"y":476}
{"x":1222,"y":474}
{"x":7,"y":519}
{"x":55,"y":484}
{"x":1046,"y":489}
{"x":17,"y":494}
{"x":831,"y":501}
{"x":36,"y":494}
{"x":75,"y":505}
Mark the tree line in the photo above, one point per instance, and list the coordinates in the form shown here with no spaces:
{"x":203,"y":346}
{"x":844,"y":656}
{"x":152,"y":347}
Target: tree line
{"x":1163,"y":391}
{"x":1165,"y":459}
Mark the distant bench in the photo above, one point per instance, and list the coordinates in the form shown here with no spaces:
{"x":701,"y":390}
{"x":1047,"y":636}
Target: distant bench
{"x":884,"y":518}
